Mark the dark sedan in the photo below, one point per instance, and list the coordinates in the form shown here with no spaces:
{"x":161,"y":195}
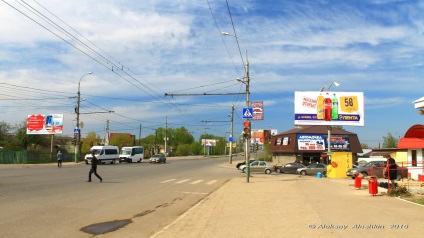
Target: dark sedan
{"x":289,"y":168}
{"x":243,"y":163}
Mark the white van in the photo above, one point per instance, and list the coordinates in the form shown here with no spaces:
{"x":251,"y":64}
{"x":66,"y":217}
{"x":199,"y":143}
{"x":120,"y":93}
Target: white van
{"x":131,"y":154}
{"x":103,"y":153}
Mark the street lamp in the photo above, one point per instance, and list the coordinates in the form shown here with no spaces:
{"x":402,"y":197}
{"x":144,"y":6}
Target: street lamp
{"x":77,"y":110}
{"x":230,"y":157}
{"x":329,"y":127}
{"x":246,"y":82}
{"x":328,"y":87}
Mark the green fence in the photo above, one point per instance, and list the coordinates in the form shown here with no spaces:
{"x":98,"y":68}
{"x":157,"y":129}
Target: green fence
{"x":31,"y":157}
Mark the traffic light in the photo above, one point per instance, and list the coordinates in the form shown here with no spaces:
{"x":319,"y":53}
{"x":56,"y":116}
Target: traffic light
{"x":246,"y":130}
{"x":74,"y":140}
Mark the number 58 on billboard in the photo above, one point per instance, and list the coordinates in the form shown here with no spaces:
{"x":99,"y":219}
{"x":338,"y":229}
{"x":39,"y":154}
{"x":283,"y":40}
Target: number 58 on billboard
{"x":329,"y":108}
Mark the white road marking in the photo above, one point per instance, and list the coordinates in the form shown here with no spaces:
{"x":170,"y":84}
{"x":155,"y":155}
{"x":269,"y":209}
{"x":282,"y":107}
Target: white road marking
{"x":197,"y":193}
{"x":169,"y":180}
{"x":211,"y":182}
{"x":183,"y":181}
{"x":196,"y":182}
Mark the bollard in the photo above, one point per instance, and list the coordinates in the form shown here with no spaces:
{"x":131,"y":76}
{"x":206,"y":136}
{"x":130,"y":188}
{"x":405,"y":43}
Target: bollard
{"x":358,"y":182}
{"x":372,"y":185}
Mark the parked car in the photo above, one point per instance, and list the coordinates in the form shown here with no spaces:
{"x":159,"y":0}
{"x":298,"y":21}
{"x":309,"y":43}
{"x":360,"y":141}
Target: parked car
{"x":258,"y":167}
{"x":364,"y":169}
{"x":158,"y":158}
{"x":313,"y":169}
{"x":289,"y":168}
{"x":243,"y":163}
{"x":376,"y":168}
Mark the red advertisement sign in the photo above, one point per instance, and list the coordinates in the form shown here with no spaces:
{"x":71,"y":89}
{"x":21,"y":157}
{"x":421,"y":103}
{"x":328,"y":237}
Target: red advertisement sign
{"x":45,"y":124}
{"x":258,"y":110}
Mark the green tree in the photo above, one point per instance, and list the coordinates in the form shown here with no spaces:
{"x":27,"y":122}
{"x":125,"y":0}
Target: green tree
{"x":196,"y":148}
{"x":364,"y":146}
{"x":24,"y":141}
{"x":183,"y":150}
{"x":5,"y":129}
{"x":181,"y":136}
{"x":122,"y":140}
{"x":390,"y":141}
{"x":91,"y":139}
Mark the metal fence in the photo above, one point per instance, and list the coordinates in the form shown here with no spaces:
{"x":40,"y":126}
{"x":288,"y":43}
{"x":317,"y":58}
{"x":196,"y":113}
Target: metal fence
{"x":31,"y":157}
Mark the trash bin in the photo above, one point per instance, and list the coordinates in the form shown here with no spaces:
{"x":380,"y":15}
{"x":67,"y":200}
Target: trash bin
{"x":358,"y":182}
{"x":373,"y":185}
{"x":319,"y":175}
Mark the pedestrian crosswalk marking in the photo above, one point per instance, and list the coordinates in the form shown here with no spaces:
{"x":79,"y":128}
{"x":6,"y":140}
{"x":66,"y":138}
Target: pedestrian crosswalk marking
{"x":196,"y":182}
{"x":193,"y":182}
{"x":169,"y":180}
{"x":183,"y":181}
{"x":212,"y":182}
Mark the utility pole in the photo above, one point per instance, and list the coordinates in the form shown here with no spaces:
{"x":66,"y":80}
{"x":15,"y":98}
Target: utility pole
{"x":247,"y":151}
{"x":139,"y":136}
{"x":231,"y":135}
{"x":247,"y":82}
{"x":77,"y":111}
{"x":166,"y":129}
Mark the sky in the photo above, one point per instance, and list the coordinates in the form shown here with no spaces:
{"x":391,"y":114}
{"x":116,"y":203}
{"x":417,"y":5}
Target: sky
{"x":154,"y":63}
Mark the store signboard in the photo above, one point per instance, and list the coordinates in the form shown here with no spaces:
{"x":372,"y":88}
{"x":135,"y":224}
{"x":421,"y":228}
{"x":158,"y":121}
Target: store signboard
{"x":339,"y":142}
{"x":329,"y":108}
{"x":310,"y":142}
{"x":39,"y":124}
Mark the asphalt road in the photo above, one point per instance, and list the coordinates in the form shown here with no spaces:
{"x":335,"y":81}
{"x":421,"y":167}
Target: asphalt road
{"x":46,"y":201}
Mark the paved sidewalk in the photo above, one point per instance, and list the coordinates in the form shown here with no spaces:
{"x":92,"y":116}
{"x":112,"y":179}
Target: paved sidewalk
{"x":282,"y":205}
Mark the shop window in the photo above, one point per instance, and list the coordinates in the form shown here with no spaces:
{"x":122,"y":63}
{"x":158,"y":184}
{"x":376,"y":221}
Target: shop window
{"x":414,"y":157}
{"x":278,"y":141}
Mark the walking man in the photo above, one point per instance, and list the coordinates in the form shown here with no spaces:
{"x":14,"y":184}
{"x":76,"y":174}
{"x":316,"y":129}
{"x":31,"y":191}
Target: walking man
{"x":59,"y":159}
{"x":93,"y":169}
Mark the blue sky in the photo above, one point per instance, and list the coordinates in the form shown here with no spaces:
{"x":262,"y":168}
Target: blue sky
{"x":140,"y":51}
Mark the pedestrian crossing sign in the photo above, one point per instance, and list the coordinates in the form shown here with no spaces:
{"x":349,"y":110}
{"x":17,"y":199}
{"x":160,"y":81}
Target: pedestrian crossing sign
{"x":248,"y":112}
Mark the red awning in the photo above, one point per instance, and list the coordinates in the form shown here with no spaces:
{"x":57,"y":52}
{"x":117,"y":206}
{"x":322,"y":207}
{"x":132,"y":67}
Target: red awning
{"x":411,"y":143}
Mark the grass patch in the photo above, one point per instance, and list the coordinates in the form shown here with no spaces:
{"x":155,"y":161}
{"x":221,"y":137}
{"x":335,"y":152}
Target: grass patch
{"x":416,"y":198}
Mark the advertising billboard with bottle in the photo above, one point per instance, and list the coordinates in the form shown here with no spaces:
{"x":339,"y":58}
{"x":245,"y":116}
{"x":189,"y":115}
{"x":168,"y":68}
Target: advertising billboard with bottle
{"x":45,"y":124}
{"x":329,"y":108}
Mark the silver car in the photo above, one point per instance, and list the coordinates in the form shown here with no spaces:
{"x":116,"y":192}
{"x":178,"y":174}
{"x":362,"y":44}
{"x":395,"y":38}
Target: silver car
{"x":158,"y":158}
{"x":313,"y":169}
{"x":258,"y":167}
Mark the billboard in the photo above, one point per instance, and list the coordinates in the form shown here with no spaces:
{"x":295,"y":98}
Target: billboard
{"x":44,"y":124}
{"x":260,"y":136}
{"x":258,"y":110}
{"x":329,"y":108}
{"x":209,"y":142}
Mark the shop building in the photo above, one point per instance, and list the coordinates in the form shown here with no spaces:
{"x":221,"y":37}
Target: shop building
{"x":309,"y":144}
{"x":413,"y":142}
